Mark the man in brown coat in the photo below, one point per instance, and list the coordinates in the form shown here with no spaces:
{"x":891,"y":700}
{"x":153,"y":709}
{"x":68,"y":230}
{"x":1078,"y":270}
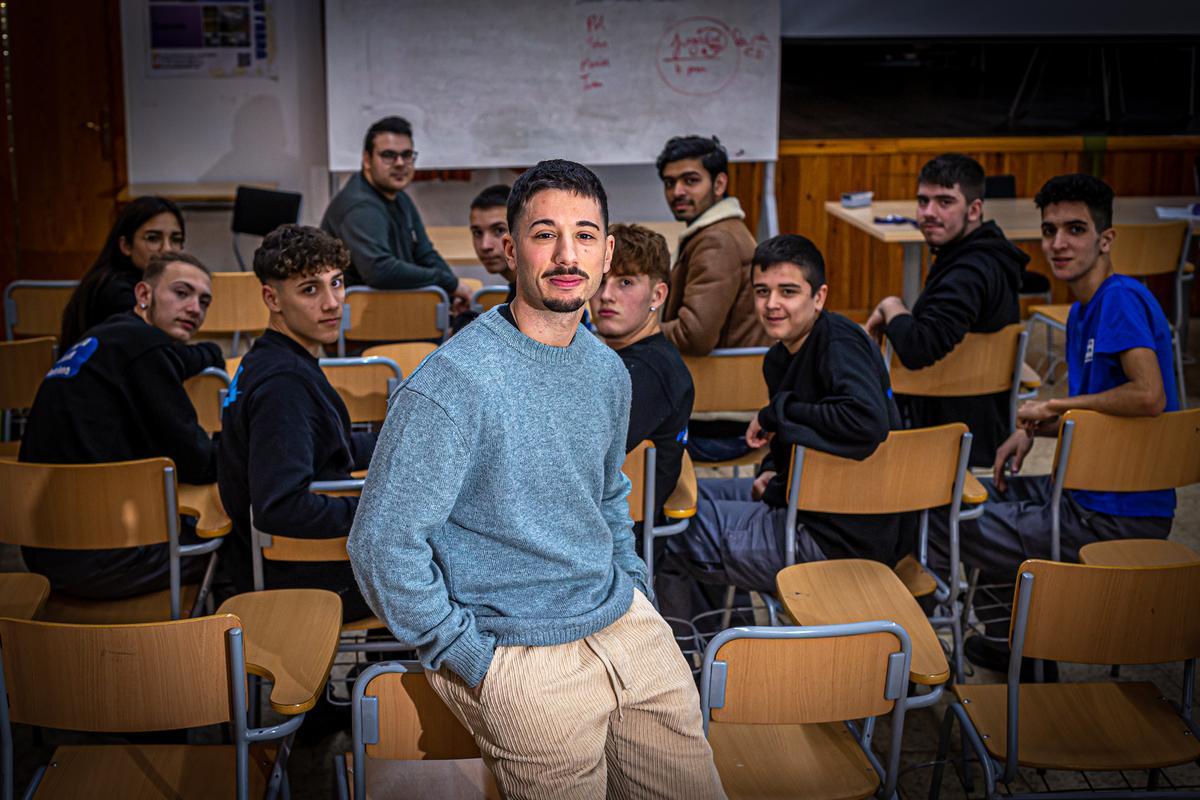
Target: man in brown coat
{"x":711,"y":302}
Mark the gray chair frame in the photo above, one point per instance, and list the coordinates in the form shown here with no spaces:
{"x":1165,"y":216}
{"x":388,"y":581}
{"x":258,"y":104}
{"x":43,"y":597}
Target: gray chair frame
{"x":243,"y":734}
{"x":650,"y":531}
{"x":10,"y":305}
{"x":713,"y":676}
{"x":993,"y":770}
{"x":442,"y":320}
{"x":475,"y":304}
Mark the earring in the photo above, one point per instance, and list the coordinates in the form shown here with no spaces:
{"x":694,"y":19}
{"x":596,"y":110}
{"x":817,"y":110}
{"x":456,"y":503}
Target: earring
{"x":141,"y":305}
{"x":654,"y":308}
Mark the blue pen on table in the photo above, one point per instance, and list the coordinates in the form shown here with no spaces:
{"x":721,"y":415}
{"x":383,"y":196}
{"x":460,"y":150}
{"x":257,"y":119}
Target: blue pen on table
{"x":895,"y":219}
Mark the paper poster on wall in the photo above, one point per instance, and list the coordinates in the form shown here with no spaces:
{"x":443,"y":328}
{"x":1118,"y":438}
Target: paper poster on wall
{"x":228,"y":39}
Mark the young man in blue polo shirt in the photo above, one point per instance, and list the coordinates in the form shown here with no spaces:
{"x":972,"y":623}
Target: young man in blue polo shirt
{"x":1119,"y":361}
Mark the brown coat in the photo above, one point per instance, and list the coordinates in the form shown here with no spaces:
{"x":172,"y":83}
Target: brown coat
{"x":711,"y":302}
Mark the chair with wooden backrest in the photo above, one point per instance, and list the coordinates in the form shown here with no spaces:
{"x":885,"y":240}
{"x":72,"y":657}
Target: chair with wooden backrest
{"x":114,"y":505}
{"x":364,"y":384}
{"x":488,"y":297}
{"x":982,"y":363}
{"x":207,"y":392}
{"x":680,"y":506}
{"x":375,"y":315}
{"x":165,"y":676}
{"x":777,"y":704}
{"x":407,"y":742}
{"x":407,"y":355}
{"x":1139,"y":251}
{"x":237,"y":308}
{"x":1090,"y":615}
{"x":913,"y":470}
{"x":23,"y":364}
{"x":35,"y":308}
{"x":729,"y":381}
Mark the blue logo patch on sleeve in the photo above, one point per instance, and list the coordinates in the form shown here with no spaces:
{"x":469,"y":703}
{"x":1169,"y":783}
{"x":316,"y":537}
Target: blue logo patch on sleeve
{"x":231,"y":394}
{"x":68,"y":366}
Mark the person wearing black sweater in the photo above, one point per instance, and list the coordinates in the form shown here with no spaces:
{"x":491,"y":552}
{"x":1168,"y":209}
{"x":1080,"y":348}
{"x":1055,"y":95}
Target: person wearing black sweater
{"x":829,"y":391}
{"x":117,"y":395}
{"x":972,"y":287}
{"x":284,"y":426}
{"x":625,"y":314}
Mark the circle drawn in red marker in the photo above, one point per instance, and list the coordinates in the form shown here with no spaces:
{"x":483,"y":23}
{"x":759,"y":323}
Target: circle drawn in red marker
{"x":697,"y":56}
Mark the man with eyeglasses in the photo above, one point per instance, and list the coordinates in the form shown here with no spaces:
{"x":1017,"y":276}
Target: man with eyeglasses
{"x":380,"y":225}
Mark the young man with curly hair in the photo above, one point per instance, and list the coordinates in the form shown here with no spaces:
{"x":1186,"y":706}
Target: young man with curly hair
{"x":284,"y":426}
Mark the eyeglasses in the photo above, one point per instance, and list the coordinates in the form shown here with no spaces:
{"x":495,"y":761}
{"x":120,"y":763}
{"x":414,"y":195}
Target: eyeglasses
{"x":392,"y":156}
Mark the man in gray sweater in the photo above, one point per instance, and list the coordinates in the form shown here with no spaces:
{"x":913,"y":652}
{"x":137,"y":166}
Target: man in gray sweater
{"x":379,"y":223}
{"x":493,"y":534}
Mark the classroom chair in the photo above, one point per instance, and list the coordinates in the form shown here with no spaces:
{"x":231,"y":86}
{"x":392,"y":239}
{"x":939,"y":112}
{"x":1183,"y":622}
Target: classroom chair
{"x":364,"y":384}
{"x":23,"y":364}
{"x":1136,"y":553}
{"x":779,"y":703}
{"x":1148,"y":618}
{"x":237,"y":308}
{"x":982,"y":363}
{"x":639,"y":467}
{"x":113,"y":505}
{"x":167,"y":676}
{"x":407,"y":742}
{"x":1139,"y":251}
{"x":22,"y":594}
{"x":376,"y":315}
{"x":915,"y":470}
{"x":407,"y":355}
{"x":729,"y":383}
{"x":488,"y":298}
{"x":207,"y":392}
{"x":35,"y":308}
{"x":258,"y":212}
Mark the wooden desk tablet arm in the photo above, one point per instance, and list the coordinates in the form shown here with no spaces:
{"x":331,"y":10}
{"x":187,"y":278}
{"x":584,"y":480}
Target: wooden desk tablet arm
{"x":203,"y":502}
{"x":291,"y":639}
{"x":682,"y":502}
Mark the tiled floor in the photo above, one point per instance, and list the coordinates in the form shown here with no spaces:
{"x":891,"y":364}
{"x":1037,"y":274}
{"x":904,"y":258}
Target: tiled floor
{"x":312,"y":775}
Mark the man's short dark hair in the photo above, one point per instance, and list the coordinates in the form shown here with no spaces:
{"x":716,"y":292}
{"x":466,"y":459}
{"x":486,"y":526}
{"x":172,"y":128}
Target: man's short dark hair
{"x":1079,"y":188}
{"x":706,"y":148}
{"x":298,"y":250}
{"x":791,"y":248}
{"x":640,"y":251}
{"x":949,"y":169}
{"x":396,"y":125}
{"x":495,"y":196}
{"x":160,"y":261}
{"x":556,"y":174}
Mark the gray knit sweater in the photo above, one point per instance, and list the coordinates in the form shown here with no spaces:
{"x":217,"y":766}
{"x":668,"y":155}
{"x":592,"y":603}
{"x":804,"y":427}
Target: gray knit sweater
{"x":495,"y":509}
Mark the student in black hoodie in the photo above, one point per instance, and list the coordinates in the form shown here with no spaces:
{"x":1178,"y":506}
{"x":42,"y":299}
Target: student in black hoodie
{"x":117,"y":395}
{"x":972,"y":287}
{"x":284,"y":426}
{"x":625,"y":314}
{"x":829,"y":390}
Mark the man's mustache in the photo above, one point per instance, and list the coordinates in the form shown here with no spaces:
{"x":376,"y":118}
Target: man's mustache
{"x":559,"y":272}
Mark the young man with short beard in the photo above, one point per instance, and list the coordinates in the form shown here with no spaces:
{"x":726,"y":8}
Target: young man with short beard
{"x":972,"y":287}
{"x":494,"y":535}
{"x":117,"y":395}
{"x":284,"y":427}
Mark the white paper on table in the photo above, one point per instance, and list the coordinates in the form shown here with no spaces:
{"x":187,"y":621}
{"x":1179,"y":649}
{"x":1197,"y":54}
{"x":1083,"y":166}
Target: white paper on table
{"x":1173,"y":212}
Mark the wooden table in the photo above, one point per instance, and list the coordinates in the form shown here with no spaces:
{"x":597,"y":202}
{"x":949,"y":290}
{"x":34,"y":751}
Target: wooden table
{"x":209,"y":196}
{"x":453,"y":242}
{"x":1018,"y":218}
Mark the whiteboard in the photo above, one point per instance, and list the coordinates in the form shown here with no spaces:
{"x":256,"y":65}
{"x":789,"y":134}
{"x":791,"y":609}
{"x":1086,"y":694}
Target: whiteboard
{"x":507,"y":84}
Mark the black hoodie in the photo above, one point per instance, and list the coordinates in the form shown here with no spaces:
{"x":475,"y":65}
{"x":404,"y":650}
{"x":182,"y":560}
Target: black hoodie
{"x":972,"y":288}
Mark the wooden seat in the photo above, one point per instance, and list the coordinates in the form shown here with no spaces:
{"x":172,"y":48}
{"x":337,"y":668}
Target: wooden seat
{"x":165,"y":676}
{"x":237,"y":308}
{"x":22,"y":594}
{"x":729,"y":383}
{"x":105,"y":506}
{"x":1136,"y":553}
{"x":1056,"y":313}
{"x":207,"y":393}
{"x":488,"y":297}
{"x":916,"y":579}
{"x":773,"y":698}
{"x":149,"y":607}
{"x":1148,"y":618}
{"x":847,"y":590}
{"x":680,"y":506}
{"x":416,"y":739}
{"x":35,"y":308}
{"x":364,"y":384}
{"x":9,"y":451}
{"x":408,"y":355}
{"x":817,"y":761}
{"x":374,"y":315}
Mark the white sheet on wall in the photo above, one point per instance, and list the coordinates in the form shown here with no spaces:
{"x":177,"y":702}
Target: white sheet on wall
{"x":489,"y":84}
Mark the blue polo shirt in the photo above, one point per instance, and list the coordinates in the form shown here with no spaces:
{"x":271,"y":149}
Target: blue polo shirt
{"x":1122,"y":315}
